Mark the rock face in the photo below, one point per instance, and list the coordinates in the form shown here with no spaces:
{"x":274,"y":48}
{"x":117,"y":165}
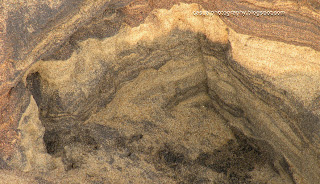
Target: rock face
{"x":147,"y":92}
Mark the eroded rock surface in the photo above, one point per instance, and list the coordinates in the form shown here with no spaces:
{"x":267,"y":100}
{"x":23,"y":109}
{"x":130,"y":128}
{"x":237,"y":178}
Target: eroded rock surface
{"x":146,"y":92}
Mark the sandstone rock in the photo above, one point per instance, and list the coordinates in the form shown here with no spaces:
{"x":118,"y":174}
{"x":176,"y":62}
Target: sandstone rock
{"x":147,"y":92}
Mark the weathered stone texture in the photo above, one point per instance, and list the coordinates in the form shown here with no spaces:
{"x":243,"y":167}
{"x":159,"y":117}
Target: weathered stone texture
{"x":145,"y":92}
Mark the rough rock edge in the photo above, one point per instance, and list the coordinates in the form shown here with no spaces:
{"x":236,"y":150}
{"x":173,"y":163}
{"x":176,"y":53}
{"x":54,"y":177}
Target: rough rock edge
{"x":32,"y":155}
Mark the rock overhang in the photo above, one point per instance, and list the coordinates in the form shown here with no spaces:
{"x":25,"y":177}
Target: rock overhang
{"x":249,"y":79}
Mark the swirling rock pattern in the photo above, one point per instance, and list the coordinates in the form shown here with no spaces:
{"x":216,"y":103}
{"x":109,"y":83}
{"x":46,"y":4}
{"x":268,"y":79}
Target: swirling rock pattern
{"x":144,"y":91}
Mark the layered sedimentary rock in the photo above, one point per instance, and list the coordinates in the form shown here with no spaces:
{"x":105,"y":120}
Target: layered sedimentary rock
{"x":148,"y":92}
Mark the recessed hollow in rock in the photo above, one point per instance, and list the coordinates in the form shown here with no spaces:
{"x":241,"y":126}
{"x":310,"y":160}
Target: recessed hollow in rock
{"x":177,"y":99}
{"x":161,"y":112}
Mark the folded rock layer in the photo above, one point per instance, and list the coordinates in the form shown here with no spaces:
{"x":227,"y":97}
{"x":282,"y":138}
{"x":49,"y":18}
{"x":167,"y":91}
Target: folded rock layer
{"x":149,"y":92}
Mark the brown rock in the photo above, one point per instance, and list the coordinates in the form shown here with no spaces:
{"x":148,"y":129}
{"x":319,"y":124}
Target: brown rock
{"x":147,"y":92}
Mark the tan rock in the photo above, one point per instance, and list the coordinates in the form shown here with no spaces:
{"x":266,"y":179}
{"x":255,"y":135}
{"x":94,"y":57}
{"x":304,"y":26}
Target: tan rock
{"x":148,"y":92}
